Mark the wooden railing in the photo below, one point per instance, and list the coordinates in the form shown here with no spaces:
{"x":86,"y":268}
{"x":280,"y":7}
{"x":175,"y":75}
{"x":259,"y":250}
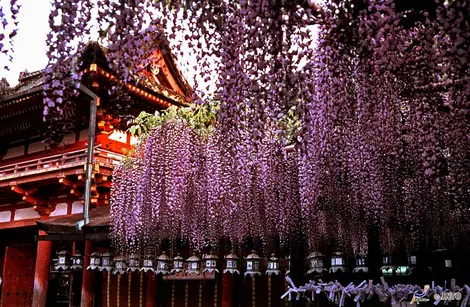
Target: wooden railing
{"x":56,"y":162}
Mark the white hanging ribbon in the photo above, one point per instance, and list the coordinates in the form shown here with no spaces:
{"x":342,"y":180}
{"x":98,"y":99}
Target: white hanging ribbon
{"x":337,"y":293}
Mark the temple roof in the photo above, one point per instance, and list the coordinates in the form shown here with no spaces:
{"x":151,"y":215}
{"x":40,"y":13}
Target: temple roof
{"x":99,"y":222}
{"x":93,"y":53}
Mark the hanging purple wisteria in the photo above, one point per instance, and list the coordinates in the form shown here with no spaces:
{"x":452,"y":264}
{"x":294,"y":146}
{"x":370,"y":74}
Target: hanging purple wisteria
{"x":182,"y":184}
{"x":383,"y":141}
{"x":382,"y":98}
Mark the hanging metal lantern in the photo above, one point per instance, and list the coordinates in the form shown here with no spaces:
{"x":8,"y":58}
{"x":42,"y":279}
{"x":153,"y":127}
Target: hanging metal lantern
{"x":77,"y":261}
{"x":210,"y":262}
{"x":194,"y":265}
{"x":107,"y":263}
{"x":412,"y":260}
{"x":95,"y":261}
{"x":361,"y":266}
{"x":231,"y":264}
{"x":178,"y":264}
{"x":149,"y":263}
{"x":441,"y":262}
{"x":338,"y":263}
{"x":252,"y":264}
{"x":120,"y":265}
{"x":273,"y":265}
{"x":134,"y":263}
{"x":387,"y":268}
{"x":63,"y":261}
{"x":163,"y":264}
{"x":317,"y":263}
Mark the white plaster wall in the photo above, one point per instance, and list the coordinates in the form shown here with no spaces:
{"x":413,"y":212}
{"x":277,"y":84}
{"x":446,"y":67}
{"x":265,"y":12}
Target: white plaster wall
{"x":134,"y":140}
{"x":14,"y":152}
{"x":77,"y":207}
{"x":5,"y":216}
{"x":60,"y":209}
{"x":25,"y":214}
{"x":119,"y":136}
{"x":36,"y":147}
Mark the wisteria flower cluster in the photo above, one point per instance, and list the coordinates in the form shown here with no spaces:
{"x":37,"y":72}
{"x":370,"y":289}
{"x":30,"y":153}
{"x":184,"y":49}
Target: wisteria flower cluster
{"x":382,"y":140}
{"x":383,"y":137}
{"x":181,"y":183}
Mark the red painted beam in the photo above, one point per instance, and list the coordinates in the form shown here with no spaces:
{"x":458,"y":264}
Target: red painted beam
{"x":106,"y":184}
{"x":17,"y":224}
{"x":22,"y":191}
{"x":33,"y":200}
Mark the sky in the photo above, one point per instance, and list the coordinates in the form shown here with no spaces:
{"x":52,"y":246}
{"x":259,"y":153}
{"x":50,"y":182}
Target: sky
{"x":30,"y":42}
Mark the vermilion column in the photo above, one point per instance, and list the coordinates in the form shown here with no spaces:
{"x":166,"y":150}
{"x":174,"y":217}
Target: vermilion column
{"x":227,"y":290}
{"x":41,"y":273}
{"x":151,"y":290}
{"x":88,"y":277}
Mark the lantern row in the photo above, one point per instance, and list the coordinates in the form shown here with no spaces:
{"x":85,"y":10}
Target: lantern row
{"x":165,"y":265}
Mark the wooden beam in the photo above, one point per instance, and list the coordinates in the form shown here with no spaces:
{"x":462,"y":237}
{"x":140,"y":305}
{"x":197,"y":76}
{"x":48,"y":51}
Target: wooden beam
{"x":17,"y":224}
{"x":66,"y":182}
{"x":106,"y":184}
{"x":70,"y":183}
{"x":33,"y":200}
{"x":22,"y":191}
{"x":76,"y":192}
{"x":100,"y":236}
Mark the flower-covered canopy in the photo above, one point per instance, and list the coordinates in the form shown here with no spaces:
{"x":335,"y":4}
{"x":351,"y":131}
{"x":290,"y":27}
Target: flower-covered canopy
{"x":381,"y":97}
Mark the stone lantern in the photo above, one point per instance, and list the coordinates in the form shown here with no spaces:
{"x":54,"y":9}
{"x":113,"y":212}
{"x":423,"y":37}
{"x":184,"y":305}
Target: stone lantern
{"x":231,"y":264}
{"x":107,"y":263}
{"x":120,"y":265}
{"x":210,"y":262}
{"x":134,"y":263}
{"x":361,"y":266}
{"x":77,"y":261}
{"x":148,"y":264}
{"x":338,"y":263}
{"x":63,"y":261}
{"x":252,"y":264}
{"x":273,"y":265}
{"x":178,"y":264}
{"x":387,"y":268}
{"x":412,"y":262}
{"x":194,"y":265}
{"x":95,"y":261}
{"x":163,"y":264}
{"x":317,"y":263}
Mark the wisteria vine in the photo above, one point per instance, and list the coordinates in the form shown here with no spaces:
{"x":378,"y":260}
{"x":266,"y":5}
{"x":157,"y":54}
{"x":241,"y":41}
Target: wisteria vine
{"x":382,"y":100}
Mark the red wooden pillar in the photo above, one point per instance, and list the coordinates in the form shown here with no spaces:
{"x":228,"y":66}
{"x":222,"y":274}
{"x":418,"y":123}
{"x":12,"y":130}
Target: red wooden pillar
{"x":41,"y":273}
{"x":227,"y":290}
{"x":88,"y":277}
{"x":151,"y":290}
